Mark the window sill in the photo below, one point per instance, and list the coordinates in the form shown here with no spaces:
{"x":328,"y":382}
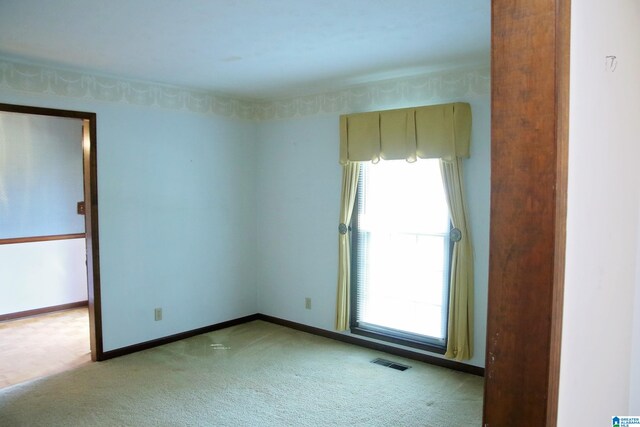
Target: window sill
{"x":434,"y":348}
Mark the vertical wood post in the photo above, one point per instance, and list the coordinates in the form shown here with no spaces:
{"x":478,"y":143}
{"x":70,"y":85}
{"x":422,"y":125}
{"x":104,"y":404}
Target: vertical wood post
{"x":530,"y":72}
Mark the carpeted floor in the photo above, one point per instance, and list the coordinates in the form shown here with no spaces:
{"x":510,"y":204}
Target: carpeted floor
{"x":255,"y":374}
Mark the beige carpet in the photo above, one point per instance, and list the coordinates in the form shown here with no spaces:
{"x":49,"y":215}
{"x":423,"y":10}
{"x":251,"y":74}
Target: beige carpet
{"x":255,"y":374}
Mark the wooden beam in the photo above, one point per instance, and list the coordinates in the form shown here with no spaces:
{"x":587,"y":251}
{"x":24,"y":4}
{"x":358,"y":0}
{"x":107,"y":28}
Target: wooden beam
{"x":530,"y":70}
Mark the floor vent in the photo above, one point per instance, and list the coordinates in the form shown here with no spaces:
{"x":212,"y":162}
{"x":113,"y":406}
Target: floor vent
{"x":390,"y":364}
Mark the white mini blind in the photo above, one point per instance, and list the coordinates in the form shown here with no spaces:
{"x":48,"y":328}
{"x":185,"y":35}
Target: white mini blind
{"x":402,"y":249}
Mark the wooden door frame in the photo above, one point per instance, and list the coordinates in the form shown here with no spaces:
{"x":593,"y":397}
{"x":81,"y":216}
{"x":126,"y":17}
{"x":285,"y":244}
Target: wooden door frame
{"x":529,"y":142}
{"x":90,"y":177}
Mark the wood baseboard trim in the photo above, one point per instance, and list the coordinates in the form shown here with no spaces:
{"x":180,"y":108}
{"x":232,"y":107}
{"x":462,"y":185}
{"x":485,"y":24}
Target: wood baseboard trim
{"x":176,"y":337}
{"x":43,"y":310}
{"x":408,"y":354}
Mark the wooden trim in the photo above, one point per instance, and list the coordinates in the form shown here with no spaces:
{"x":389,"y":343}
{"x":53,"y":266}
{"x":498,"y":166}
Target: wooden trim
{"x":90,"y":163}
{"x":563,"y":43}
{"x":43,"y":310}
{"x":475,"y":370}
{"x":90,"y":176}
{"x":176,"y":337}
{"x":39,"y":111}
{"x":381,"y":336}
{"x":530,"y":72}
{"x":15,"y":240}
{"x":350,"y":339}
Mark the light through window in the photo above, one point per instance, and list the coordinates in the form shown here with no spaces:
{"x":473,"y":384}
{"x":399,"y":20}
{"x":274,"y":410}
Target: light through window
{"x":401,"y":252}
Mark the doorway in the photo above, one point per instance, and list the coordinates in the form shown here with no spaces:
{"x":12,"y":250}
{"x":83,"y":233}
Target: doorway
{"x":88,"y":220}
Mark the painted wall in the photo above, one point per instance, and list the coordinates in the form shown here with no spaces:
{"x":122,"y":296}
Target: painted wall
{"x":42,"y":274}
{"x":634,"y":374}
{"x":40,"y":183}
{"x":40,"y":175}
{"x":298,"y":193}
{"x":176,"y":200}
{"x":598,"y":369}
{"x":214,"y":208}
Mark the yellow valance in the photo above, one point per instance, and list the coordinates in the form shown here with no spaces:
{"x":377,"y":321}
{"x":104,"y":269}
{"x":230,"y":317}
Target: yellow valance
{"x":436,"y":131}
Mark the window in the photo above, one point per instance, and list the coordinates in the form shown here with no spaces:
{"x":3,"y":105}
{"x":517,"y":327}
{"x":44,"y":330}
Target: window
{"x":401,"y":254}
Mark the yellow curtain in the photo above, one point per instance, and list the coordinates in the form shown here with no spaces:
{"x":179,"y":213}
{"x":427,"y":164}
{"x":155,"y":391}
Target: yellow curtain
{"x":432,"y":132}
{"x":460,"y":325}
{"x":350,"y":173}
{"x":436,"y":131}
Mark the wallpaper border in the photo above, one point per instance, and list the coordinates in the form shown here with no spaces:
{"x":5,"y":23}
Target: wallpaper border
{"x":394,"y":93}
{"x":73,"y":84}
{"x":443,"y":86}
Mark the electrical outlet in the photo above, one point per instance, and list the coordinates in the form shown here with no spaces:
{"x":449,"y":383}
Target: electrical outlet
{"x":158,"y":313}
{"x":307,"y":303}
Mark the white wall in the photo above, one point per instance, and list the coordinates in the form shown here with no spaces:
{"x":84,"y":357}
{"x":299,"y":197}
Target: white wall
{"x":213,"y":217}
{"x":42,"y":274}
{"x":602,"y":218}
{"x":177,"y":227}
{"x":40,"y":184}
{"x":40,"y":175}
{"x":176,"y":202}
{"x":634,"y":375}
{"x":298,"y":193}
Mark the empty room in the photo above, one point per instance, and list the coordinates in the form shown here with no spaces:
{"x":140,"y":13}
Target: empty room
{"x":217,"y":172}
{"x":297,"y":213}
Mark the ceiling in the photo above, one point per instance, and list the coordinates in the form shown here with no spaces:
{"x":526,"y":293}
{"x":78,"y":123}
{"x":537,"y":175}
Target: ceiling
{"x":248,"y":48}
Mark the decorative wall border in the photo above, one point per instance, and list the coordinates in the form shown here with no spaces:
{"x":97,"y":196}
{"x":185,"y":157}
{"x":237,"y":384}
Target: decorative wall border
{"x":442,"y":86}
{"x":393,"y":93}
{"x":54,"y":81}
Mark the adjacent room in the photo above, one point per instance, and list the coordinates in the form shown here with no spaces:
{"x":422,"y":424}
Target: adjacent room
{"x":286,"y":207}
{"x":43,"y":301}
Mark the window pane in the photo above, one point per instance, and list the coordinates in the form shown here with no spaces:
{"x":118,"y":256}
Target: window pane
{"x":403,"y":248}
{"x":405,"y":196}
